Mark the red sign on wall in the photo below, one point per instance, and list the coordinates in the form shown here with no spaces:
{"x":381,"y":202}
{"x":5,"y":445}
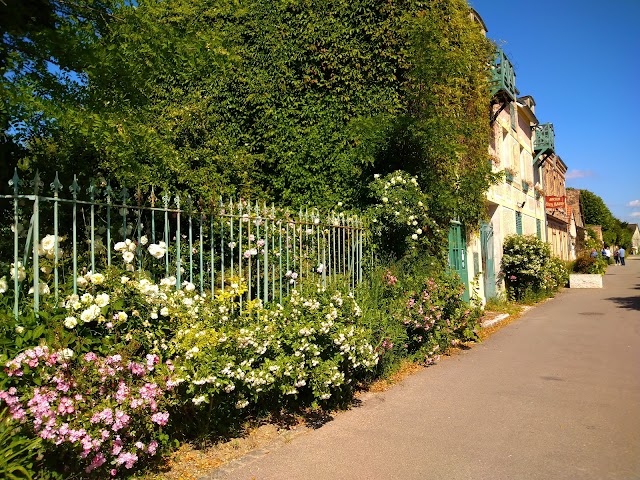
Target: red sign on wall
{"x":555,"y":202}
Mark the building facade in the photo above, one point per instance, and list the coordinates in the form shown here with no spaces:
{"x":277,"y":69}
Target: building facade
{"x":635,"y":238}
{"x":556,"y":207}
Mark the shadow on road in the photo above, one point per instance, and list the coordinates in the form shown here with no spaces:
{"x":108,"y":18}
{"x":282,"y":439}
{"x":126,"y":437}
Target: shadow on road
{"x":632,"y":303}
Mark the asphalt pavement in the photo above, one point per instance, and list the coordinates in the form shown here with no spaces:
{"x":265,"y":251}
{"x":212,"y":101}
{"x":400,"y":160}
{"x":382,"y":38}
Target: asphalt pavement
{"x":554,"y":395}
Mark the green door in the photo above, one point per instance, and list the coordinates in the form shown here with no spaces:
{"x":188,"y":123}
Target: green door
{"x":488,"y":264}
{"x":458,"y":255}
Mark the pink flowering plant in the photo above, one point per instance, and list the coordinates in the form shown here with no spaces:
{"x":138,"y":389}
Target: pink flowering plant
{"x":435,"y":316}
{"x":99,"y":414}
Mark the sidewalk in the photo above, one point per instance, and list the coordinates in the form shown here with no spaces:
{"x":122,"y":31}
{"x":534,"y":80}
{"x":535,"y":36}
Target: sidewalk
{"x":554,"y":395}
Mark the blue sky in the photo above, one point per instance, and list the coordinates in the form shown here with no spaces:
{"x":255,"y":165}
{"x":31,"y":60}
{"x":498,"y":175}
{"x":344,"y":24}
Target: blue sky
{"x":580,"y":60}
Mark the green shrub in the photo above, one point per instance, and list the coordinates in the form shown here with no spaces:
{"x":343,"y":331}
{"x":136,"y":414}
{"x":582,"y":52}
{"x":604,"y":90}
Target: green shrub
{"x":585,"y":263}
{"x":529,"y":271}
{"x":17,"y":452}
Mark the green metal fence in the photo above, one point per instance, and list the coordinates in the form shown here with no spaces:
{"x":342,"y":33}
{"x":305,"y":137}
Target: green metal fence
{"x":57,"y":234}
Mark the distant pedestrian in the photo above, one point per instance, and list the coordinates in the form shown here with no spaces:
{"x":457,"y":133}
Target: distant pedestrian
{"x":616,"y":254}
{"x":606,"y":253}
{"x":593,"y":253}
{"x":621,"y":253}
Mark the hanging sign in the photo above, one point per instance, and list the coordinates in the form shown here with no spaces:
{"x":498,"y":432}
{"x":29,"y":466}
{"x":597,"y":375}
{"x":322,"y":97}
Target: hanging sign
{"x":555,"y":202}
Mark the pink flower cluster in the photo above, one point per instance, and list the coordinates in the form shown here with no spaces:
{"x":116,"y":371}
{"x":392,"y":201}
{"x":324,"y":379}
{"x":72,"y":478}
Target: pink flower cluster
{"x":390,"y":279}
{"x":94,"y":413}
{"x":31,"y":358}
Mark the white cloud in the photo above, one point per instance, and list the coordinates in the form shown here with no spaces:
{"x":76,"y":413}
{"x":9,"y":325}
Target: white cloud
{"x":635,"y":214}
{"x":635,"y":203}
{"x":571,"y":174}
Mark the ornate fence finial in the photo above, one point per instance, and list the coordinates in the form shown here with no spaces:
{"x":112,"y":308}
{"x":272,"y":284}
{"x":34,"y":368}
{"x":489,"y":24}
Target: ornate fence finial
{"x":108,"y":191}
{"x":124,"y":194}
{"x":74,"y":188}
{"x":92,"y":189}
{"x":37,"y":183}
{"x":153,"y":198}
{"x":56,"y":186}
{"x":139,"y":196}
{"x":15,"y":182}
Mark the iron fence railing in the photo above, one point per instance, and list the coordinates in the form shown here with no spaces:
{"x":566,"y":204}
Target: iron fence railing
{"x":56,"y":235}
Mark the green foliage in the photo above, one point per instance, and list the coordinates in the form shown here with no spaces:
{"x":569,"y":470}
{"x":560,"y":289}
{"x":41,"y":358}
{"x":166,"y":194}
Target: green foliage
{"x":596,"y":212}
{"x":400,"y":219}
{"x":529,"y":271}
{"x":17,"y":451}
{"x":297,"y":102}
{"x":414,"y":309}
{"x":585,"y":263}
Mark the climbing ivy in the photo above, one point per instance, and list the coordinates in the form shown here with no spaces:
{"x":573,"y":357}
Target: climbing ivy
{"x":292,"y":101}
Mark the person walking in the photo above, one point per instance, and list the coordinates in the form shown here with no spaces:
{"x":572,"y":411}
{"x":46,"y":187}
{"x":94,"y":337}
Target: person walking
{"x":621,"y":253}
{"x":616,"y":256}
{"x":606,"y":253}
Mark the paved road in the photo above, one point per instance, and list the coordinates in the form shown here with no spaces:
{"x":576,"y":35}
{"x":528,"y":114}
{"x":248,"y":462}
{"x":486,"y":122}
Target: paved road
{"x":555,"y":395}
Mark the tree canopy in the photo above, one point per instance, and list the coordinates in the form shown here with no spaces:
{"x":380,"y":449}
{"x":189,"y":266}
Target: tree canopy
{"x":596,"y":212}
{"x":294,"y":101}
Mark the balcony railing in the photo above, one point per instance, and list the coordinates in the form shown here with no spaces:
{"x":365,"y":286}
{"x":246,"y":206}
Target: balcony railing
{"x":503,"y":76}
{"x":544,"y":138}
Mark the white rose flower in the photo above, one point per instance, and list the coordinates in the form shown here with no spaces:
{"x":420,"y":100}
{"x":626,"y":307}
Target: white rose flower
{"x":19,"y":329}
{"x":43,"y":289}
{"x":128,"y":257}
{"x":385,"y":199}
{"x":414,"y":236}
{"x":22,"y":274}
{"x":164,"y":312}
{"x":188,"y":286}
{"x":120,"y":246}
{"x":3,"y":284}
{"x":419,"y":231}
{"x":48,"y":243}
{"x":144,"y":240}
{"x":46,"y":269}
{"x":124,"y":279}
{"x":102,"y":300}
{"x":122,"y":316}
{"x":67,"y":353}
{"x":157,"y":250}
{"x":70,"y":322}
{"x":82,"y":282}
{"x":86,"y":298}
{"x":97,"y":278}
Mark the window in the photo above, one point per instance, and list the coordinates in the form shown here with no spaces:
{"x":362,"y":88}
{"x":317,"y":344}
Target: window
{"x":539,"y":229}
{"x":519,"y":223}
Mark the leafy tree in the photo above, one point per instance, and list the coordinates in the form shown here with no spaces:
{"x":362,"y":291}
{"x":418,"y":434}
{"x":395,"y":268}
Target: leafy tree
{"x":596,"y":212}
{"x":297,"y":102}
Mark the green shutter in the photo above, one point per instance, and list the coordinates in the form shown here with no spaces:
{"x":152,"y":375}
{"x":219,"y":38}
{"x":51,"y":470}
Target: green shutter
{"x":539,"y":229}
{"x":519,"y":223}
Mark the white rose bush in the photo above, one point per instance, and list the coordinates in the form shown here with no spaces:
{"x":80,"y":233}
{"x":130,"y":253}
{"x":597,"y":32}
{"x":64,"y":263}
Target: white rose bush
{"x":400,"y":218}
{"x":112,"y":375}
